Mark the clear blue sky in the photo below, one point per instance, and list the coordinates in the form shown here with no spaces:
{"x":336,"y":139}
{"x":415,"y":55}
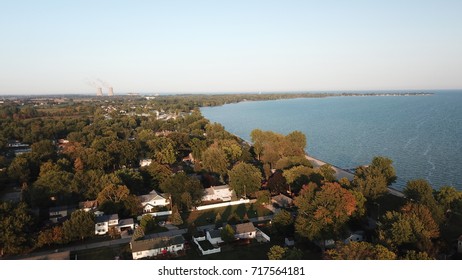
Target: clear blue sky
{"x":227,"y":46}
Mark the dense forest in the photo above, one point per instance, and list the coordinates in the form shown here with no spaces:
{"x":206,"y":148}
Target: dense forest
{"x":62,"y":151}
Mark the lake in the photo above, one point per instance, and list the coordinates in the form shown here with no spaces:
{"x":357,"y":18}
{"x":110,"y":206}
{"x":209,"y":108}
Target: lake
{"x":421,"y":134}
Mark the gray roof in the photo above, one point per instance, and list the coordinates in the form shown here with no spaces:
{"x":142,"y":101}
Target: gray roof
{"x":215,"y":233}
{"x":106,"y":218}
{"x":126,"y":222}
{"x":156,"y":243}
{"x":245,"y":227}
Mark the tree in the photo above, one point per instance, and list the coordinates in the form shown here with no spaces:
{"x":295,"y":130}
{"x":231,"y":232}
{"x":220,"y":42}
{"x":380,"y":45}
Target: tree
{"x":244,"y":178}
{"x":359,"y":251}
{"x":19,"y":169}
{"x":420,"y":191}
{"x":277,"y":183}
{"x":175,"y":218}
{"x":294,"y":173}
{"x":276,"y":252}
{"x":374,"y":179}
{"x":413,"y":226}
{"x":227,"y":233}
{"x":113,"y":193}
{"x":81,"y":225}
{"x":45,"y":149}
{"x":448,"y":197}
{"x":214,"y":160}
{"x":283,"y":222}
{"x":15,"y":223}
{"x":327,"y":172}
{"x":148,"y":223}
{"x":413,"y":255}
{"x":323,"y":211}
{"x":263,"y":197}
{"x":179,"y":184}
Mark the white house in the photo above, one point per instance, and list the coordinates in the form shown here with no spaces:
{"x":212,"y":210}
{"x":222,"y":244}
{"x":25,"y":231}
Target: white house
{"x":223,"y":193}
{"x":104,"y":222}
{"x":151,"y":200}
{"x":355,"y":236}
{"x":145,"y":162}
{"x":214,"y":236}
{"x":245,"y":231}
{"x":155,"y":246}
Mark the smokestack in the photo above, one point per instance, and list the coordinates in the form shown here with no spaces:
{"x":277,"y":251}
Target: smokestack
{"x":110,"y":92}
{"x":99,"y":91}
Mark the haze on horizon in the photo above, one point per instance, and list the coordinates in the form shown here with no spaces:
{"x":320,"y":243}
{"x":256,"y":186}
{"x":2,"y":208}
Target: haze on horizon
{"x":59,"y":47}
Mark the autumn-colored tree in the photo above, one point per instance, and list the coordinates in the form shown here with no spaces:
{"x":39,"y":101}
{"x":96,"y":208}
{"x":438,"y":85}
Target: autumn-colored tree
{"x":276,"y":252}
{"x":322,"y":212}
{"x":15,"y":223}
{"x":277,"y":183}
{"x":113,"y":193}
{"x":175,"y":218}
{"x":327,"y":172}
{"x":359,"y":251}
{"x":421,"y":192}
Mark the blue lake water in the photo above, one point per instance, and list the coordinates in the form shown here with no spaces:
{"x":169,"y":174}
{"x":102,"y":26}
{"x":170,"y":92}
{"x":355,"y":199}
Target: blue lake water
{"x":421,"y":134}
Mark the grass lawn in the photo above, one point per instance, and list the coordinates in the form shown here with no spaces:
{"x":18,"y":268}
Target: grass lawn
{"x":205,"y":217}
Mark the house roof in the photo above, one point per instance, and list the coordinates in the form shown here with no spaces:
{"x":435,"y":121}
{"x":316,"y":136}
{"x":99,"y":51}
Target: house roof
{"x":223,"y":187}
{"x":106,"y":218}
{"x":156,"y":243}
{"x":150,"y":196}
{"x":215,"y":233}
{"x":245,"y":227}
{"x":282,"y":199}
{"x":88,"y":204}
{"x":126,"y":222}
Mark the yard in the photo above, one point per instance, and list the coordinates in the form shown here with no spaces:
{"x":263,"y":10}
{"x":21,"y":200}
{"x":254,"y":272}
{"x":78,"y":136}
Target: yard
{"x":103,"y":253}
{"x":237,"y":212}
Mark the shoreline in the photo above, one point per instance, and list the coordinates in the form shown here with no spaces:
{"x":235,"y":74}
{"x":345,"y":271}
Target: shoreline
{"x":340,"y":173}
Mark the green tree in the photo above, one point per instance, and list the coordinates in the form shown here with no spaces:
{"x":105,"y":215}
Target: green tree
{"x":420,"y":191}
{"x":283,"y":222}
{"x":227,"y":233}
{"x":413,"y":255}
{"x":45,"y":149}
{"x":276,"y":252}
{"x":244,"y":179}
{"x":214,"y":160}
{"x":448,"y":197}
{"x":19,"y":169}
{"x":175,"y":218}
{"x":15,"y":223}
{"x":179,"y":184}
{"x":148,"y":223}
{"x":81,"y":225}
{"x":374,"y":179}
{"x":327,"y":172}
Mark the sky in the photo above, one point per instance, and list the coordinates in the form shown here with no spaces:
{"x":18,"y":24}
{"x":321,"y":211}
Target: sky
{"x":199,"y":46}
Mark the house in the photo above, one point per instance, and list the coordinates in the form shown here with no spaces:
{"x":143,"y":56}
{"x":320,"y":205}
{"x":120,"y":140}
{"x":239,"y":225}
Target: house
{"x":223,"y":193}
{"x":245,"y":231}
{"x":289,"y":241}
{"x":145,"y":162}
{"x":155,"y":246}
{"x":356,"y":236}
{"x":459,"y":244}
{"x":125,"y":224}
{"x":151,"y":200}
{"x":214,"y":236}
{"x":89,"y":205}
{"x":282,"y":200}
{"x":104,"y":222}
{"x":60,"y":213}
